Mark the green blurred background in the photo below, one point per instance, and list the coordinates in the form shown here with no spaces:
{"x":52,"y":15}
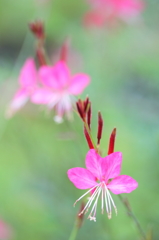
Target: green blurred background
{"x":36,"y":197}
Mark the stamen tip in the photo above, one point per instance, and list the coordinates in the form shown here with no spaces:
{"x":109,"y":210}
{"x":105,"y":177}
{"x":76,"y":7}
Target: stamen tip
{"x":92,"y":218}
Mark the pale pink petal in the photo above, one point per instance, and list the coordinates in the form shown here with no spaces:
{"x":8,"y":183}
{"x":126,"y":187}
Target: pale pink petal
{"x":61,"y":72}
{"x":130,"y":8}
{"x":122,"y":184}
{"x":55,"y":99}
{"x":41,"y":96}
{"x":28,"y":74}
{"x":56,"y":77}
{"x":5,"y":230}
{"x":93,"y":164}
{"x":111,"y":165}
{"x":94,"y":18}
{"x":19,"y":100}
{"x":78,"y":83}
{"x":81,"y":178}
{"x":47,"y":77}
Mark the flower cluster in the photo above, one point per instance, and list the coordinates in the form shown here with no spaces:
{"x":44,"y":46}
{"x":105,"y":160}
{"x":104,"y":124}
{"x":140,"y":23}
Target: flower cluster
{"x":55,"y":87}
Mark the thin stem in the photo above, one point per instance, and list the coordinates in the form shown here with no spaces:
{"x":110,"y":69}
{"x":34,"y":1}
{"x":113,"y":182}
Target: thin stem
{"x":74,"y":232}
{"x":134,"y":218}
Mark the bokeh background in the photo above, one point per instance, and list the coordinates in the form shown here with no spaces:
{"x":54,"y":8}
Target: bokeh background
{"x":36,"y":197}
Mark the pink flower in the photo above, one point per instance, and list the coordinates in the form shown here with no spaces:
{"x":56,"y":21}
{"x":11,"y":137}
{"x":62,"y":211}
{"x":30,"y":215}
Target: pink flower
{"x":58,"y":88}
{"x":104,"y":11}
{"x":5,"y":230}
{"x":27,"y":81}
{"x":101,"y":176}
{"x":128,"y":9}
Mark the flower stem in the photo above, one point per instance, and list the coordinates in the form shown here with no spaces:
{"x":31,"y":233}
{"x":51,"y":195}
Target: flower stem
{"x":74,"y":232}
{"x":132,"y":215}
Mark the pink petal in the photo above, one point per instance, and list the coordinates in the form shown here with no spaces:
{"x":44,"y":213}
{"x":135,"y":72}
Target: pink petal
{"x":19,"y":100}
{"x":130,"y":8}
{"x":94,"y":18}
{"x":93,"y":163}
{"x":81,"y":178}
{"x":28,"y":74}
{"x":5,"y":230}
{"x":41,"y":96}
{"x":78,"y":83}
{"x":56,"y":77}
{"x":122,"y":184}
{"x":111,"y":165}
{"x":47,"y":78}
{"x":62,"y":73}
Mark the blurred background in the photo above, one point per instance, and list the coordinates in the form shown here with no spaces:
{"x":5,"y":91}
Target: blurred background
{"x":122,"y":58}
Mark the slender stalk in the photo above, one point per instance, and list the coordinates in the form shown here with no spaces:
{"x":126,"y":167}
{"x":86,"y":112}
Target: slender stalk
{"x":74,"y":232}
{"x":133,"y":217}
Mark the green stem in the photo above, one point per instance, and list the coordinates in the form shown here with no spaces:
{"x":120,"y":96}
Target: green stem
{"x":74,"y":232}
{"x":134,"y":218}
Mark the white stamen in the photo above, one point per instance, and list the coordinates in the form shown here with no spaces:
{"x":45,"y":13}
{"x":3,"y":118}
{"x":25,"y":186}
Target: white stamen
{"x":95,"y":206}
{"x":102,"y":206}
{"x":109,"y":204}
{"x":102,"y":189}
{"x":85,"y":194}
{"x":112,"y":202}
{"x":106,"y":202}
{"x":86,"y":208}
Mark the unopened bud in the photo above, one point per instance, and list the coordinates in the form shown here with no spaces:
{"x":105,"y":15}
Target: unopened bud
{"x":100,"y":127}
{"x":37,"y":28}
{"x":112,"y":141}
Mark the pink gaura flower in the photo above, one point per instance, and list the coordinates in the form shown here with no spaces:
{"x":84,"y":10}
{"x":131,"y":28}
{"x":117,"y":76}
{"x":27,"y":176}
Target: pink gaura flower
{"x":101,"y":177}
{"x":58,"y":88}
{"x":103,"y":11}
{"x":27,"y":82}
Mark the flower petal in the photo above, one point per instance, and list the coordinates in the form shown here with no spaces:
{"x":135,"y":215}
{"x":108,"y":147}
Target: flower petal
{"x":81,"y":178}
{"x":94,"y":18}
{"x":28,"y":74}
{"x":62,"y":73}
{"x":93,"y":163}
{"x":19,"y":100}
{"x":41,"y":96}
{"x":122,"y":184}
{"x":78,"y":83}
{"x":111,"y":165}
{"x":47,"y":78}
{"x":56,"y":77}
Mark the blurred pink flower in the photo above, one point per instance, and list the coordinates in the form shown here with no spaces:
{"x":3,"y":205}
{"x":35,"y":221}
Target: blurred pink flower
{"x":101,"y":175}
{"x":105,"y":10}
{"x":5,"y":231}
{"x":27,"y":81}
{"x":58,"y":87}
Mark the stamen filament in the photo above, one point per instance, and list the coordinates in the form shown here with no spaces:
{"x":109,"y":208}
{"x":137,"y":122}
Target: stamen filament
{"x":85,"y":194}
{"x":102,"y":205}
{"x":91,"y":200}
{"x":102,"y":189}
{"x":94,"y":207}
{"x":112,"y":203}
{"x":109,"y":204}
